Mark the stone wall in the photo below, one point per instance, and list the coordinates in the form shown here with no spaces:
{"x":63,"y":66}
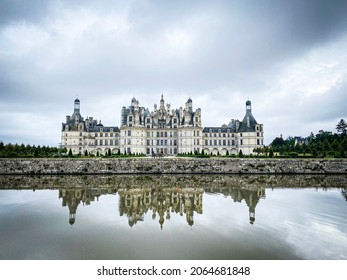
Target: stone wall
{"x":172,"y":166}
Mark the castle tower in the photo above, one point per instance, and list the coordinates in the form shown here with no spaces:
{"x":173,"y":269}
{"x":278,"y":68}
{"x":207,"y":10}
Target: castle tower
{"x":248,"y":107}
{"x":77,"y":106}
{"x":190,"y":104}
{"x":162,"y":103}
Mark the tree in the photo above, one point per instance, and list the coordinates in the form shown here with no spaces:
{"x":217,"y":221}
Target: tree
{"x":86,"y":153}
{"x":341,"y":126}
{"x":70,"y":153}
{"x":240,"y":153}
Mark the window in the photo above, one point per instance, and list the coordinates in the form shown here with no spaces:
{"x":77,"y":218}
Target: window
{"x":197,"y":142}
{"x":157,"y":133}
{"x":206,"y":142}
{"x":224,"y":143}
{"x":258,"y":142}
{"x":101,"y":134}
{"x":111,"y":134}
{"x":130,"y":119}
{"x":165,"y":134}
{"x":129,"y":132}
{"x":175,"y":120}
{"x":111,"y":142}
{"x":100,"y":143}
{"x":106,"y":142}
{"x":241,"y":142}
{"x":106,"y":134}
{"x":148,"y":120}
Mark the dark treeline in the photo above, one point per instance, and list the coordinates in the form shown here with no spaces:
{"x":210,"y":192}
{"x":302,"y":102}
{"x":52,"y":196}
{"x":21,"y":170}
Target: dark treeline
{"x":16,"y":150}
{"x":323,"y":144}
{"x":320,"y":145}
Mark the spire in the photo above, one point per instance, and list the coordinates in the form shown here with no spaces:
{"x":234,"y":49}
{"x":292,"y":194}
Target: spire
{"x":162,"y":103}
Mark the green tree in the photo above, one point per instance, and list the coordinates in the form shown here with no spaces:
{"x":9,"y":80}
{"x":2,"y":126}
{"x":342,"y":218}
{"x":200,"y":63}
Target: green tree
{"x":240,"y":153}
{"x":70,"y":153}
{"x":341,"y":126}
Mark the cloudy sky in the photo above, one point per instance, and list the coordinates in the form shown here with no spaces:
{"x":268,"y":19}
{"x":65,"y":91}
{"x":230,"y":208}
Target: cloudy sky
{"x":288,"y":57}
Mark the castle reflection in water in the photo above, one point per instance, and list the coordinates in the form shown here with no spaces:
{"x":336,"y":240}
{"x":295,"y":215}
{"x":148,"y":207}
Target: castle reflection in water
{"x":160,"y":203}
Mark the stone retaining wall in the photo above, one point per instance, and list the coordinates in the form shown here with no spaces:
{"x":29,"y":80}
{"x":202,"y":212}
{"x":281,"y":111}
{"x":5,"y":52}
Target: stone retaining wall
{"x":172,"y":166}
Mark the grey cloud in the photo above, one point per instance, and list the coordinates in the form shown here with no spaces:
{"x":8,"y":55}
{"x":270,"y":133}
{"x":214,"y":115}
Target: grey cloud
{"x":219,"y":53}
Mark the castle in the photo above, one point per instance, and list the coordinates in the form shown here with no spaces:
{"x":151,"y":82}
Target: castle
{"x":163,"y":131}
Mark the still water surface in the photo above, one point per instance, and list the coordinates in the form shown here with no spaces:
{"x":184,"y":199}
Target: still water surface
{"x":172,"y":218}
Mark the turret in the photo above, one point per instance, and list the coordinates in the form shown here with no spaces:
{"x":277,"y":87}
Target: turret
{"x":190,"y":104}
{"x":162,"y":103}
{"x":248,"y":107}
{"x":77,"y":106}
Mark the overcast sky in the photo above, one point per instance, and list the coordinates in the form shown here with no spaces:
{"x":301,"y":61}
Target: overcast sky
{"x":288,"y":57}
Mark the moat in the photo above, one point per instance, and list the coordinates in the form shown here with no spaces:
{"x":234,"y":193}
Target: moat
{"x":173,"y":217}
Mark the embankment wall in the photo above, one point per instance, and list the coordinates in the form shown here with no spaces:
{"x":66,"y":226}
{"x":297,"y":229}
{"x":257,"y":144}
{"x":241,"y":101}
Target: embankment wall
{"x":39,"y":166}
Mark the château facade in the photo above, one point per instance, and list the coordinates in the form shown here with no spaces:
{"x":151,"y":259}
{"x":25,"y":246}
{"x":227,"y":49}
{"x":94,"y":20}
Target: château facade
{"x":163,"y":131}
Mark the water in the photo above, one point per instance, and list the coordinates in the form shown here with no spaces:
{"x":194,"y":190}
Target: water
{"x":173,"y":217}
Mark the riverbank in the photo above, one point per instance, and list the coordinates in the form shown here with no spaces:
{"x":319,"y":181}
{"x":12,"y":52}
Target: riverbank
{"x":40,"y":166}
